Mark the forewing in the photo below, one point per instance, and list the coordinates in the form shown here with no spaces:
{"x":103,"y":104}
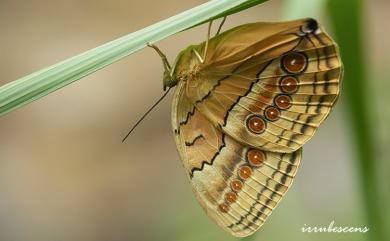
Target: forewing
{"x":277,"y":91}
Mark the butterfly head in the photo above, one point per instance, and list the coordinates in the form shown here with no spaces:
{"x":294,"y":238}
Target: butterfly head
{"x":184,"y":69}
{"x":168,"y":80}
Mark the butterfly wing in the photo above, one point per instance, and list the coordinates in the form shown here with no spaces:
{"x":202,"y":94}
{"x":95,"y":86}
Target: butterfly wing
{"x":241,"y":118}
{"x":274,"y":92}
{"x":238,"y":186}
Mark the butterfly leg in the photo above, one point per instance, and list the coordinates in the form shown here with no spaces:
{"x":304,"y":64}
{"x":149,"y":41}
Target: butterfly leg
{"x":220,"y":26}
{"x":207,"y":41}
{"x":203,"y":58}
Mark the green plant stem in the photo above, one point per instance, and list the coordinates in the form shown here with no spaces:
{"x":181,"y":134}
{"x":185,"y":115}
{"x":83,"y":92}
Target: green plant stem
{"x":347,"y":20}
{"x":34,"y":86}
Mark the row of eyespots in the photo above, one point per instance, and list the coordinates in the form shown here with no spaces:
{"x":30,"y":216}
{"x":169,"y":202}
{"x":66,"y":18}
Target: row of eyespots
{"x":255,"y":158}
{"x":257,"y":123}
{"x":292,"y":63}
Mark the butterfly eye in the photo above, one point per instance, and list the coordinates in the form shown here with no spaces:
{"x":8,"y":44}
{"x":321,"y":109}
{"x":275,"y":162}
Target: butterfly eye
{"x":310,"y":26}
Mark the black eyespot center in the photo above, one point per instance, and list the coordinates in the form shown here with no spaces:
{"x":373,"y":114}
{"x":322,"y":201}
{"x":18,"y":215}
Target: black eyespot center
{"x":311,"y":25}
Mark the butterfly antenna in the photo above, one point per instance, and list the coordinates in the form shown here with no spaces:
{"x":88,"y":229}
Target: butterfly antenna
{"x":147,"y":112}
{"x":221,"y":25}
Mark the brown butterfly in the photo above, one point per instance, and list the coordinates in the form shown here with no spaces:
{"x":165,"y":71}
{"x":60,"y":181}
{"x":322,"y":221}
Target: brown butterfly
{"x":245,"y":103}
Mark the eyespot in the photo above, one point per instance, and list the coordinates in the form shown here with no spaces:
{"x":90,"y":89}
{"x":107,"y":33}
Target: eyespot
{"x":272,"y":113}
{"x":294,"y":62}
{"x":236,"y":185}
{"x":283,"y":102}
{"x":289,"y":84}
{"x":310,"y":26}
{"x":255,"y":157}
{"x":245,"y":172}
{"x":231,"y":197}
{"x":223,"y":208}
{"x":256,"y":124}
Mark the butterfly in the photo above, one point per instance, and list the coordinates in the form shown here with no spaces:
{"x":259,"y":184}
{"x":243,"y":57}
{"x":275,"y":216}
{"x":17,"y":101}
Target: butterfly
{"x":246,"y":101}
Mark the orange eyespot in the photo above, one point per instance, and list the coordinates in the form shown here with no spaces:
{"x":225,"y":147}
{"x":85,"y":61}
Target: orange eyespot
{"x":283,"y":102}
{"x":231,"y":197}
{"x":256,"y":124}
{"x":294,"y":62}
{"x":236,"y":185}
{"x":272,"y":113}
{"x":255,"y":157}
{"x":223,"y":208}
{"x":289,"y":84}
{"x":245,"y":172}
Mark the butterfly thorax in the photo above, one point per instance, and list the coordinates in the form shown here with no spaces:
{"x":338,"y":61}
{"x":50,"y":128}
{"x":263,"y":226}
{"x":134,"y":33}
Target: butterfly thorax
{"x":191,"y":71}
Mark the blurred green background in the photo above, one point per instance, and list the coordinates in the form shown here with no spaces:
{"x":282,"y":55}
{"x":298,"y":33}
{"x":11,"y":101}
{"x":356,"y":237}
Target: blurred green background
{"x":65,"y":175}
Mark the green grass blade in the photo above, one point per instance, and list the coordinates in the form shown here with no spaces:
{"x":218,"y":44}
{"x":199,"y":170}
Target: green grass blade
{"x":34,"y":86}
{"x":349,"y":29}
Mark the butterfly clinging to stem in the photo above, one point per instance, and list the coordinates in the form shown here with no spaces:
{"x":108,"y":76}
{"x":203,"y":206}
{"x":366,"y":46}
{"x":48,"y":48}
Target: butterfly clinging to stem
{"x":245,"y":103}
